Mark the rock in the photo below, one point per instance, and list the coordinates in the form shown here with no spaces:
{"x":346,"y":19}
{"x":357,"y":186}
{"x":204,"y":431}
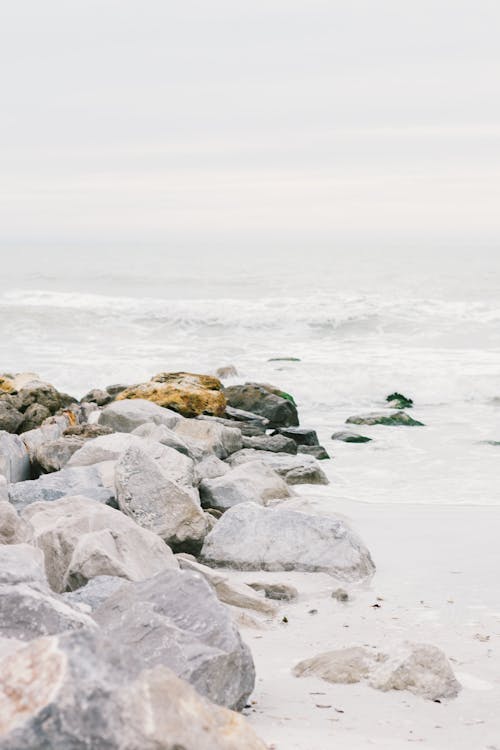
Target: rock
{"x":184,"y":392}
{"x":246,"y":427}
{"x":317,"y":451}
{"x":158,"y":500}
{"x":394,"y":418}
{"x":126,"y":416}
{"x":82,"y":539}
{"x":54,"y":455}
{"x":301,"y":435}
{"x":209,"y":437}
{"x":71,"y":692}
{"x":240,"y":415}
{"x":98,"y":396}
{"x":21,"y":563}
{"x":284,"y":359}
{"x":350,"y":437}
{"x":176,"y":620}
{"x":13,"y":530}
{"x":279,"y":591}
{"x":33,"y":417}
{"x":264,"y":400}
{"x":273,"y":443}
{"x":51,"y":430}
{"x":87,"y":431}
{"x":161,"y":434}
{"x":251,"y":482}
{"x":107,"y":448}
{"x":228,"y":371}
{"x":210,"y":467}
{"x":419,"y":668}
{"x":90,"y":481}
{"x":4,"y":492}
{"x":398,"y":401}
{"x":94,"y":593}
{"x":298,"y":469}
{"x":229,"y":592}
{"x":14,"y":459}
{"x":249,"y":537}
{"x":340,"y":595}
{"x":29,"y":611}
{"x":10,"y":417}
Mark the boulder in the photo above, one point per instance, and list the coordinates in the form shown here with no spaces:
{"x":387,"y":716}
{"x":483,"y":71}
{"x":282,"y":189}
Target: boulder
{"x":14,"y":459}
{"x":22,"y":563}
{"x":226,"y":371}
{"x":274,"y":443}
{"x":301,"y":435}
{"x":398,"y":401}
{"x":87,"y":431}
{"x":94,"y":593}
{"x":33,"y":417}
{"x":44,"y":395}
{"x":164,"y":435}
{"x":264,"y":400}
{"x":91,"y":481}
{"x":210,"y":467}
{"x":240,"y":415}
{"x":82,"y":539}
{"x":51,"y":430}
{"x":420,"y":668}
{"x":13,"y":530}
{"x":250,"y":482}
{"x":350,"y":437}
{"x":4,"y":491}
{"x":55,"y":454}
{"x":160,"y":500}
{"x":316,"y":451}
{"x":125,"y":416}
{"x":98,"y":396}
{"x":184,"y":392}
{"x":393,"y":418}
{"x":250,"y":537}
{"x":176,"y":620}
{"x":246,"y":427}
{"x":10,"y":417}
{"x":209,"y":437}
{"x":72,"y":691}
{"x":298,"y":469}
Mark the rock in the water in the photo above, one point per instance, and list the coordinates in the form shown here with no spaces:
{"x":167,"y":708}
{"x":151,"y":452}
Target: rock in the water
{"x":227,"y":371}
{"x":251,"y":482}
{"x":301,"y":435}
{"x":13,"y":530}
{"x":176,"y":620}
{"x":278,"y":591}
{"x":419,"y":668}
{"x":159,"y":500}
{"x":82,"y":539}
{"x":72,"y":692}
{"x":394,"y":418}
{"x":184,"y":392}
{"x":54,"y":455}
{"x":267,"y":401}
{"x":350,"y":437}
{"x":126,"y":416}
{"x":250,"y":537}
{"x":398,"y":401}
{"x":299,"y":469}
{"x":210,"y":436}
{"x":317,"y":451}
{"x":90,"y":481}
{"x":10,"y":417}
{"x":14,"y":459}
{"x":340,"y":595}
{"x":273,"y":443}
{"x":22,"y":563}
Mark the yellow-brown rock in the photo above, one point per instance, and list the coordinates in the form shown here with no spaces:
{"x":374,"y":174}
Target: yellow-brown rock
{"x":6,"y":385}
{"x":184,"y":392}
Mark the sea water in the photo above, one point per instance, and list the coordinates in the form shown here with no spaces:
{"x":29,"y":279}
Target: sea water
{"x":359,"y":325}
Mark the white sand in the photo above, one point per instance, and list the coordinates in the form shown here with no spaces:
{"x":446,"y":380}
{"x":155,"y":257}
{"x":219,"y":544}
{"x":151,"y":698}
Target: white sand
{"x":437,"y":579}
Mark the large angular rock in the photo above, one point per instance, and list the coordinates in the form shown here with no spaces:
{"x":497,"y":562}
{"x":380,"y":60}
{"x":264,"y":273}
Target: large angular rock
{"x":275,"y":443}
{"x":210,"y":437}
{"x":251,"y":482}
{"x":125,"y":416}
{"x":346,"y":436}
{"x":264,"y":400}
{"x":300,"y":435}
{"x":22,"y":563}
{"x":71,"y":692}
{"x":299,"y":469}
{"x":250,"y":537}
{"x":159,"y":500}
{"x":186,"y":393}
{"x":164,"y":435}
{"x":91,"y":481}
{"x":210,"y":467}
{"x":13,"y":530}
{"x":10,"y":417}
{"x":54,"y":455}
{"x":94,"y":593}
{"x":391,"y":418}
{"x":14,"y":459}
{"x":176,"y":620}
{"x":248,"y":428}
{"x":82,"y":539}
{"x":51,"y":430}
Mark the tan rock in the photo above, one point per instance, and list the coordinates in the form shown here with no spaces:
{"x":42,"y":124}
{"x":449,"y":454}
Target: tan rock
{"x":187,"y":393}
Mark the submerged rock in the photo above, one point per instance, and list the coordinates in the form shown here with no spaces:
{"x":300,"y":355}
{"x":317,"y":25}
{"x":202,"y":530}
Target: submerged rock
{"x":269,"y":402}
{"x":227,"y":371}
{"x":394,"y":418}
{"x":299,"y":469}
{"x":186,"y":393}
{"x":350,"y":437}
{"x":250,"y":537}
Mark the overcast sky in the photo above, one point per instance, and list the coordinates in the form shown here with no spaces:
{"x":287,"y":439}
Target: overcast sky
{"x":250,"y":122}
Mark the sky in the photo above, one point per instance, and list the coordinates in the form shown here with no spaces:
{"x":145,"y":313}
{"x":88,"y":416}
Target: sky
{"x":287,"y":124}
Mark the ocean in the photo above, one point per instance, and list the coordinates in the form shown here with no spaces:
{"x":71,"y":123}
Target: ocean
{"x":360,"y":324}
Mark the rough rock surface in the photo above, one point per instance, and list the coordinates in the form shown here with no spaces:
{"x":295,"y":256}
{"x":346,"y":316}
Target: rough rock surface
{"x":72,"y":692}
{"x":90,"y":481}
{"x":13,"y":530}
{"x":250,"y":537}
{"x":159,"y":500}
{"x":82,"y":539}
{"x":186,"y":393}
{"x":316,"y":451}
{"x":275,"y":443}
{"x":10,"y":417}
{"x":250,"y":482}
{"x":350,"y":437}
{"x":176,"y":620}
{"x":55,"y":454}
{"x":299,"y":469}
{"x":22,"y":563}
{"x":125,"y":416}
{"x":94,"y":593}
{"x":301,"y":435}
{"x":164,"y":435}
{"x":393,"y":418}
{"x":14,"y":459}
{"x":263,"y":400}
{"x":210,"y":436}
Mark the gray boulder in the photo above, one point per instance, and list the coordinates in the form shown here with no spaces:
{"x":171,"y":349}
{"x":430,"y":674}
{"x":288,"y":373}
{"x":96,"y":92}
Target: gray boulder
{"x":94,"y":593}
{"x":350,"y":437}
{"x":298,"y":469}
{"x":55,"y":454}
{"x":51,"y":430}
{"x":14,"y":459}
{"x":250,"y":537}
{"x":13,"y":530}
{"x":210,"y":467}
{"x":275,"y":443}
{"x":317,"y":451}
{"x":80,"y":695}
{"x":159,"y":500}
{"x":176,"y":620}
{"x":301,"y":435}
{"x":10,"y":417}
{"x":209,"y":437}
{"x":125,"y":416}
{"x":250,"y":482}
{"x":246,"y":427}
{"x":164,"y":435}
{"x":264,"y":400}
{"x":82,"y":539}
{"x":391,"y":418}
{"x":22,"y":563}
